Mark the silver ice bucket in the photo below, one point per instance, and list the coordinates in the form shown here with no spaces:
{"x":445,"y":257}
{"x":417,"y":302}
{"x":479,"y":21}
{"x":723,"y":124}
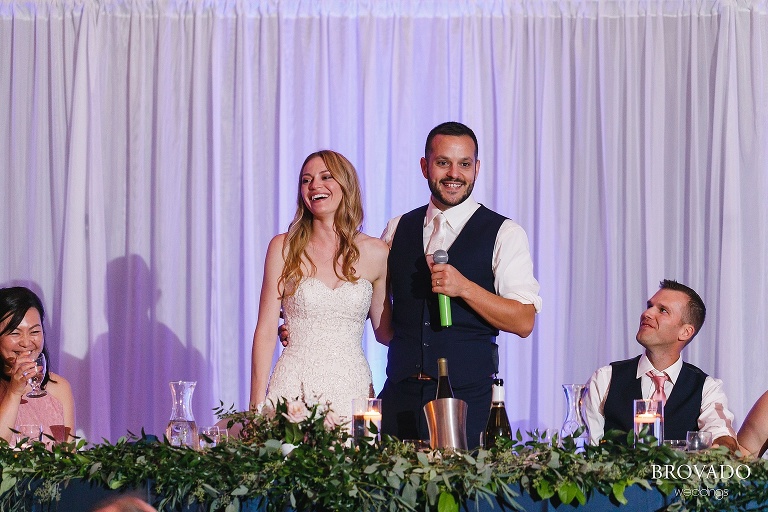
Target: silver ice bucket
{"x":447,"y":422}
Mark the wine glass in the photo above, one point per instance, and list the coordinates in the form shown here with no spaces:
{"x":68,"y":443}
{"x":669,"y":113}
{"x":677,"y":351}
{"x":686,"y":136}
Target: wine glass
{"x":28,"y":434}
{"x":37,"y":379}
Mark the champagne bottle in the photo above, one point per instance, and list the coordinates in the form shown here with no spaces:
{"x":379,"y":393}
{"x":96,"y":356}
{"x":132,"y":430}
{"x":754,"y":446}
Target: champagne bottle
{"x":498,"y":422}
{"x":444,"y":389}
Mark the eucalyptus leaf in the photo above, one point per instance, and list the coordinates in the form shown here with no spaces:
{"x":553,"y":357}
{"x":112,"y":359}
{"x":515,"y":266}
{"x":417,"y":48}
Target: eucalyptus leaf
{"x":116,"y":484}
{"x":409,"y":494}
{"x":567,"y":492}
{"x":580,"y":496}
{"x":95,"y":468}
{"x":432,"y":491}
{"x":274,"y":444}
{"x":210,"y":490}
{"x":240,"y":491}
{"x":7,"y":483}
{"x":544,"y":489}
{"x":618,"y":492}
{"x":447,"y":503}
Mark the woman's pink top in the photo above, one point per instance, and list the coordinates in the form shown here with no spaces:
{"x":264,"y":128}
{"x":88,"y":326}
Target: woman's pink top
{"x":46,"y":411}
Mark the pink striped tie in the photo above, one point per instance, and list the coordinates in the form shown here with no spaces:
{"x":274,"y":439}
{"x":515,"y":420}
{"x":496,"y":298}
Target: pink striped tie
{"x":658,"y":381}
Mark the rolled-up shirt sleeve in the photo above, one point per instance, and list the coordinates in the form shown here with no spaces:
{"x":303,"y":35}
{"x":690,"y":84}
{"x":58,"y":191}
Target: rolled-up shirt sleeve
{"x":389,"y":231}
{"x":715,"y":416}
{"x":513,"y":266}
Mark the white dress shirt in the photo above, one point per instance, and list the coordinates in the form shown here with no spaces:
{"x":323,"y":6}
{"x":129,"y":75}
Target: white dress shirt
{"x":714,"y":415}
{"x":512,"y":264}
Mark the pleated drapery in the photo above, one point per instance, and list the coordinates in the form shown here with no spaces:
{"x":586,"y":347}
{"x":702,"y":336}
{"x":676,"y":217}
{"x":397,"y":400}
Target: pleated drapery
{"x":149,"y":150}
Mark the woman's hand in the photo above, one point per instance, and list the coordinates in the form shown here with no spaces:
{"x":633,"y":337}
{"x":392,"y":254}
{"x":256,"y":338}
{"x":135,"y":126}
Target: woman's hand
{"x":21,"y":370}
{"x":282,"y":333}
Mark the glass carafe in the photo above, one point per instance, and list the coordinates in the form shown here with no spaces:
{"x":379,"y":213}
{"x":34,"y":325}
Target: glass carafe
{"x":574,"y":417}
{"x":182,"y":429}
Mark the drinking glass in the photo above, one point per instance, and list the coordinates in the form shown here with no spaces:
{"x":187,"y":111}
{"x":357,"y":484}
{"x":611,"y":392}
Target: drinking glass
{"x":209,"y":437}
{"x":697,"y":440}
{"x":37,"y":379}
{"x":676,"y":444}
{"x":28,"y":434}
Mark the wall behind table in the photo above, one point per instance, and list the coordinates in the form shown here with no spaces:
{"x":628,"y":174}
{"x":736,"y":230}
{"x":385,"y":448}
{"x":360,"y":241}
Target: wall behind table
{"x":149,"y":151}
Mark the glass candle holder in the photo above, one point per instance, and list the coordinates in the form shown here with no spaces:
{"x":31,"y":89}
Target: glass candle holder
{"x":649,"y":419}
{"x":365,"y":411}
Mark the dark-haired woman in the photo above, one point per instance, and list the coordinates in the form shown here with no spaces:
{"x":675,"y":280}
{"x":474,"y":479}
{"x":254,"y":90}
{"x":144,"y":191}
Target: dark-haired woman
{"x":21,"y":340}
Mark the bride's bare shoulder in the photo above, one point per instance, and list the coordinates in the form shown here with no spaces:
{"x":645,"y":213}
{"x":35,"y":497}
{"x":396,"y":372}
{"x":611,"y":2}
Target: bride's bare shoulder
{"x":373,"y":257}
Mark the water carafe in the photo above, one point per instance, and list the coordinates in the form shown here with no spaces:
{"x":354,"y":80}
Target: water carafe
{"x":574,"y":418}
{"x":182,"y":429}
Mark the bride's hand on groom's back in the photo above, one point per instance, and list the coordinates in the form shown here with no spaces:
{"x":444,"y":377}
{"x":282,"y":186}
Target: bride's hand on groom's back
{"x":282,"y":334}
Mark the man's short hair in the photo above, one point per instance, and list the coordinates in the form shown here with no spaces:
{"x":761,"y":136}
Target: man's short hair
{"x":451,"y":128}
{"x":696,"y":310}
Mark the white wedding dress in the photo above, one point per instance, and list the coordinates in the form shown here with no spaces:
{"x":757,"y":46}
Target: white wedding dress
{"x":324,"y":359}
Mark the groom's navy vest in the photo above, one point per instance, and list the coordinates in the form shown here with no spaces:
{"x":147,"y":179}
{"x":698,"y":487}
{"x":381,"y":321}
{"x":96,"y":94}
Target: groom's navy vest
{"x":469,"y":344}
{"x":681,"y":412}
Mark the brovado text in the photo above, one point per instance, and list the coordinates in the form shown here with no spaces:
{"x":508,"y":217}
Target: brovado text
{"x":686,"y":471}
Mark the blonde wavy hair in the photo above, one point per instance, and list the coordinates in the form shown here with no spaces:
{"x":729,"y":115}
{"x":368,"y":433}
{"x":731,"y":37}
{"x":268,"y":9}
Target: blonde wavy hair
{"x":347,"y":222}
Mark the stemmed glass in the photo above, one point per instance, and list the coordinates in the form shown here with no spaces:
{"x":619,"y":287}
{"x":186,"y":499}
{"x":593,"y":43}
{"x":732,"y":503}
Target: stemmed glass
{"x":28,"y":433}
{"x":36,"y":380}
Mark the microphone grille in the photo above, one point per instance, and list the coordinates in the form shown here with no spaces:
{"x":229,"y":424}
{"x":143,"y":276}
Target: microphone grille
{"x":440,"y":256}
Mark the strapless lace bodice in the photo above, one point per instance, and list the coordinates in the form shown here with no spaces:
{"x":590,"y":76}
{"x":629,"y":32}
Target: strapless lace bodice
{"x":325,"y":353}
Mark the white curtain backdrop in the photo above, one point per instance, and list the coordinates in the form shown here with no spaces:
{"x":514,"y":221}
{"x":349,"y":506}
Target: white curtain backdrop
{"x":149,"y":150}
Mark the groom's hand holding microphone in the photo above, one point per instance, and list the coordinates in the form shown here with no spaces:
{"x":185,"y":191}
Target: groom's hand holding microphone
{"x":444,"y":301}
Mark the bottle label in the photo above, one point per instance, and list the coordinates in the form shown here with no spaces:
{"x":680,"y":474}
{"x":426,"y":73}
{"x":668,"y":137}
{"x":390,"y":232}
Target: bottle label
{"x":497,"y":394}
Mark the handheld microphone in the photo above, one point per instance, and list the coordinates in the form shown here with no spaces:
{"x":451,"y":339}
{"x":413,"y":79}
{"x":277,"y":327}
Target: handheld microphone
{"x":443,"y":301}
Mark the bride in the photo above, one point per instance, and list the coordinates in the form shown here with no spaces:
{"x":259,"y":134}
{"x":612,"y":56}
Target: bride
{"x":327,"y":277}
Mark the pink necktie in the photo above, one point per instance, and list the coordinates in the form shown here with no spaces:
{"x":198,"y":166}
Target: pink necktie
{"x":437,"y":240}
{"x":658,"y":381}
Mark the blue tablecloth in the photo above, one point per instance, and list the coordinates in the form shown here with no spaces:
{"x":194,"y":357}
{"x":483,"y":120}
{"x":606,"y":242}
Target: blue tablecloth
{"x":82,"y":496}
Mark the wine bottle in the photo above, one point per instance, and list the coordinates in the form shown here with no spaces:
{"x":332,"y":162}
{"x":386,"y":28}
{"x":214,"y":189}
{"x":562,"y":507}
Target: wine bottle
{"x":444,"y":389}
{"x":498,"y":422}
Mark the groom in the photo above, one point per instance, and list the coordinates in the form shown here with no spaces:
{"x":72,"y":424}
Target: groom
{"x":489,"y":278}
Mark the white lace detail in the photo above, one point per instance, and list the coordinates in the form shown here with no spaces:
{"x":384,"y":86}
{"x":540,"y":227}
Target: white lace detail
{"x":324,"y":360}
